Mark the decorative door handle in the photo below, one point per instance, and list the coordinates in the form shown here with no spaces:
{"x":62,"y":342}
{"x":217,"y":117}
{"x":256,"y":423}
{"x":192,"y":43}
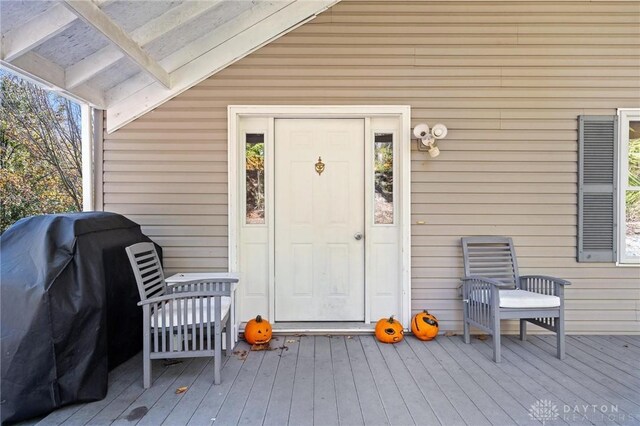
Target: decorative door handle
{"x":358,"y":236}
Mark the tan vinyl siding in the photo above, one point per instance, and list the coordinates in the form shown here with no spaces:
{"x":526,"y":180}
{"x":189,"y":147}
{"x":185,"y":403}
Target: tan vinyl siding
{"x":508,"y":78}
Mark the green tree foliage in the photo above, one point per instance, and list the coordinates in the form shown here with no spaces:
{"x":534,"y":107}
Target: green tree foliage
{"x":255,"y":181}
{"x":40,"y":157}
{"x":384,"y":170}
{"x":633,"y":197}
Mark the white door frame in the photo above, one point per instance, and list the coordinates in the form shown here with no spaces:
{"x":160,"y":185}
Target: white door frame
{"x":403,"y":112}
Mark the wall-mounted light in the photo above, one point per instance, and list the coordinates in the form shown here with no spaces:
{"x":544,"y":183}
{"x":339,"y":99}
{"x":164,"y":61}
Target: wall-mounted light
{"x":427,"y":139}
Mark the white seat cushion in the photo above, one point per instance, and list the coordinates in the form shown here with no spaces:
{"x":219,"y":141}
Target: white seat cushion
{"x":519,"y":299}
{"x":208,"y":312}
{"x":527,"y":299}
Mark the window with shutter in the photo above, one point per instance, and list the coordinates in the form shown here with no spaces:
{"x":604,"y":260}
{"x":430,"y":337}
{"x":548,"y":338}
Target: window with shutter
{"x":629,"y":187}
{"x":597,"y":201}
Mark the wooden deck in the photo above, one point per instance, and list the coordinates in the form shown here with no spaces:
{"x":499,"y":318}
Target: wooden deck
{"x":353,"y":380}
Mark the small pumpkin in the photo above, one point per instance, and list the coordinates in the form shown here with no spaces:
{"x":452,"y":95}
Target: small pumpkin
{"x":424,"y":326}
{"x":389,"y":330}
{"x":257,"y":331}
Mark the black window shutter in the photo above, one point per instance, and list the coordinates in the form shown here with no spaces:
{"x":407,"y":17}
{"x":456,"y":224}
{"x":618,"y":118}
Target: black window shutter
{"x":597,"y":175}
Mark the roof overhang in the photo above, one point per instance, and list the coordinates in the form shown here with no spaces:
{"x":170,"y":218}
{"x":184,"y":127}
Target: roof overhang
{"x":128,"y":57}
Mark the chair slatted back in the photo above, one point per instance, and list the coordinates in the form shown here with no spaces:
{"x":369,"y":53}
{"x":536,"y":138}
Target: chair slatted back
{"x":147,"y":270}
{"x":491,"y":257}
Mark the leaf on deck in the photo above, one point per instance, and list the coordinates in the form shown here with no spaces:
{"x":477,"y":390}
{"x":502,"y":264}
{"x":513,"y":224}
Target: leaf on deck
{"x":261,"y":347}
{"x":241,"y":355}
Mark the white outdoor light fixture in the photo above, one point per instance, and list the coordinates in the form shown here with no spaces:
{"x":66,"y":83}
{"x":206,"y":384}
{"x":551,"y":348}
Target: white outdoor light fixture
{"x":428,"y":138}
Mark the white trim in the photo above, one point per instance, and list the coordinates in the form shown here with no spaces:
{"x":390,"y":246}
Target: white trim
{"x":98,"y":61}
{"x":625,"y":115}
{"x":405,"y":213}
{"x":270,"y":183}
{"x":36,"y":31}
{"x":321,"y":111}
{"x":87,"y":157}
{"x":98,"y":156}
{"x":368,"y":208}
{"x":234,"y":47}
{"x":91,"y":14}
{"x":50,"y":75}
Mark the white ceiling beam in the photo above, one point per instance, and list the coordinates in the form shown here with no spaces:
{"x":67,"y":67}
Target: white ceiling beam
{"x":172,"y":19}
{"x":51,"y":75}
{"x":90,"y":13}
{"x":191,"y":51}
{"x":36,"y":31}
{"x":92,"y":65}
{"x":176,"y":17}
{"x":216,"y":59}
{"x":225,"y":32}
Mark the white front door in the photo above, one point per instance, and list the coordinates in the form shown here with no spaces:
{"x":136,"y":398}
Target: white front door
{"x":319,"y":216}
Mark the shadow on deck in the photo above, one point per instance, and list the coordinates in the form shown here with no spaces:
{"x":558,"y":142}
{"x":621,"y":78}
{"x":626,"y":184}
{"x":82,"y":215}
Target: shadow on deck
{"x":352,"y":380}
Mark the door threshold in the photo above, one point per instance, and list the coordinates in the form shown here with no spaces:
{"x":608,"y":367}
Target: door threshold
{"x":337,"y":327}
{"x":320,"y":328}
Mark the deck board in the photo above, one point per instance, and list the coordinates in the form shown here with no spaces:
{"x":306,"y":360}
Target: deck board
{"x":477,"y":366}
{"x":353,"y":380}
{"x":576,"y":379}
{"x":542,"y":383}
{"x":301,"y":412}
{"x":169,"y":399}
{"x":614,"y":354}
{"x":418,"y":406}
{"x":628,"y":374}
{"x":325,"y":405}
{"x":437,"y":380}
{"x":209,"y":406}
{"x":368,"y":396}
{"x":349,"y":411}
{"x":282,"y":391}
{"x":150,"y":396}
{"x":611,"y":386}
{"x":254,"y":413}
{"x":392,"y":401}
{"x":233,"y":405}
{"x":491,"y":410}
{"x":434,"y":394}
{"x":192,"y":398}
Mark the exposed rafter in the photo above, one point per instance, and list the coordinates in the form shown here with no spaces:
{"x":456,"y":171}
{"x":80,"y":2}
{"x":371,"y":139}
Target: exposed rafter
{"x":45,"y":72}
{"x":152,"y":30}
{"x":234,"y":48}
{"x":90,"y":13}
{"x":236,"y":30}
{"x":36,"y":31}
{"x":222,"y":34}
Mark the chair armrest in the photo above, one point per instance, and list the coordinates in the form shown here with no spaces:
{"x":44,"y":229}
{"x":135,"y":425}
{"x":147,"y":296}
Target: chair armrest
{"x":545,"y":278}
{"x":183,"y":295}
{"x":485,"y":280}
{"x":484,"y":293}
{"x":202,"y":285}
{"x":543,"y":284}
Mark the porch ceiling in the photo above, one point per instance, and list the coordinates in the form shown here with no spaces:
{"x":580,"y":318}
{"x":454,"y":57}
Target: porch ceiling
{"x":129,"y":56}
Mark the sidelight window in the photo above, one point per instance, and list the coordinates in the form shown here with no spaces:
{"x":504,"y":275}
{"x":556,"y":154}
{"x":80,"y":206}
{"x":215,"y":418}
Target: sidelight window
{"x":383,"y":179}
{"x":254,"y":172}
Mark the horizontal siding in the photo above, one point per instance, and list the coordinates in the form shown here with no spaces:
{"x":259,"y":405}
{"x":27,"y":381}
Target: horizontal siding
{"x":508,"y":78}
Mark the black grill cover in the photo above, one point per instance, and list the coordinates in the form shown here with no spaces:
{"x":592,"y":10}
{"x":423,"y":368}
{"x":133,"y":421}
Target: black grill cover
{"x":69,"y":309}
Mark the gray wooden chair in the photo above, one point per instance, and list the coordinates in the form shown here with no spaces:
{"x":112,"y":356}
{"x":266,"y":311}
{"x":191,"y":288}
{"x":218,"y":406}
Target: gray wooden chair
{"x":180,"y":321}
{"x":492,"y":290}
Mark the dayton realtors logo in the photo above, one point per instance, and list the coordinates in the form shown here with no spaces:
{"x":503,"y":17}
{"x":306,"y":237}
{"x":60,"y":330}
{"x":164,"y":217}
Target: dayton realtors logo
{"x":544,"y":411}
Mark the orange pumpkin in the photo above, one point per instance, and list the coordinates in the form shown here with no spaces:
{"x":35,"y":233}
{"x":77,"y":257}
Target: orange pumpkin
{"x":257,"y":331}
{"x":389,"y":330}
{"x":424,"y":326}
